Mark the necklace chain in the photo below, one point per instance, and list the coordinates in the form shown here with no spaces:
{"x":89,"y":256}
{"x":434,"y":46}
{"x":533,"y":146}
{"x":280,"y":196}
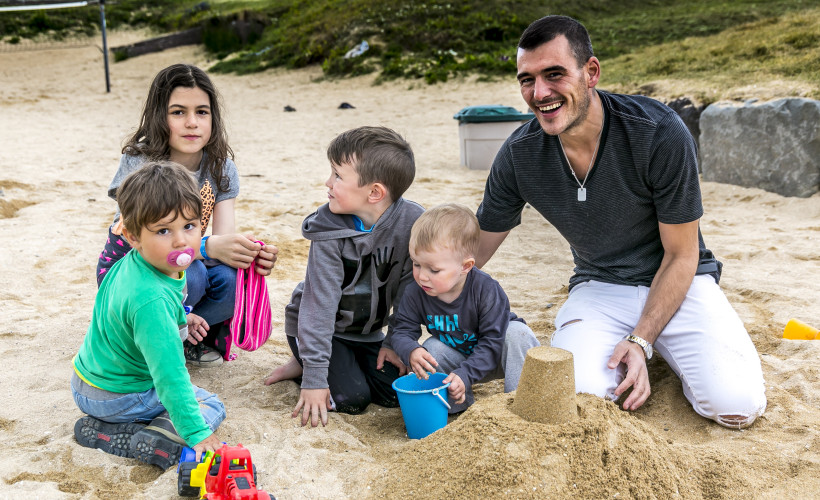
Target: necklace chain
{"x":582,"y":192}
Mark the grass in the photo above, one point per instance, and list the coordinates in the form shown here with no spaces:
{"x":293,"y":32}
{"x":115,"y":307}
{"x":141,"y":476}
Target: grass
{"x":645,"y":45}
{"x":781,"y":51}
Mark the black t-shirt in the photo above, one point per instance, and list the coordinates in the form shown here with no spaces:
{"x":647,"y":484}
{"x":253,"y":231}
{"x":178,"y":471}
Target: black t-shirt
{"x":645,"y":172}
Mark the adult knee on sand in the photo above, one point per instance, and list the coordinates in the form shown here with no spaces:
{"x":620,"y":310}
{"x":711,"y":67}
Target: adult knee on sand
{"x":734,"y":407}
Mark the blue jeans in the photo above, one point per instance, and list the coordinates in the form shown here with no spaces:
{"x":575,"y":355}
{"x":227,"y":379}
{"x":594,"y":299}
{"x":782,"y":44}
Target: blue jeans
{"x":139,"y":407}
{"x":211,"y":291}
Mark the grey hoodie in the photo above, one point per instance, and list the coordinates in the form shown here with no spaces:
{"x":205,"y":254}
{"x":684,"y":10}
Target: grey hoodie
{"x":353,"y":281}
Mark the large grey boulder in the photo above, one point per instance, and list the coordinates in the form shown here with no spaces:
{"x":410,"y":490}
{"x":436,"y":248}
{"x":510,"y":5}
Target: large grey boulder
{"x":771,"y":145}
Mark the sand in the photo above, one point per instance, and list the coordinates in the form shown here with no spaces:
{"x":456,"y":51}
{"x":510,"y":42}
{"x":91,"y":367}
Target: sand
{"x":548,"y":375}
{"x":60,"y":137}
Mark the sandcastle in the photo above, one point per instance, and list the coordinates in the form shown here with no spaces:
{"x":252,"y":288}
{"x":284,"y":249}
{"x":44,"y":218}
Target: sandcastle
{"x":546,"y":390}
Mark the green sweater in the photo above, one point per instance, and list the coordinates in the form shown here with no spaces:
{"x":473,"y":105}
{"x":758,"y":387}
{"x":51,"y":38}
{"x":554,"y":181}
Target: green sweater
{"x":133,"y":342}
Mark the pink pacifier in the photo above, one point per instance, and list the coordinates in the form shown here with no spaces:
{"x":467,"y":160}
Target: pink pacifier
{"x":181,"y":258}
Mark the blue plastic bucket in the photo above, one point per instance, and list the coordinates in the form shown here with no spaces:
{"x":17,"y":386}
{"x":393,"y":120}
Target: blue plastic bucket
{"x":423,"y":403}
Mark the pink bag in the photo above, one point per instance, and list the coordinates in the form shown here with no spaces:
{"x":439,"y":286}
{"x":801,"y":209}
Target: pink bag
{"x":251,"y":322}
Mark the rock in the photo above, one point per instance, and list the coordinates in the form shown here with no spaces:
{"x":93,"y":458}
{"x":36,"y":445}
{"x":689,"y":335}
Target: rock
{"x":689,"y":113}
{"x":770,"y":145}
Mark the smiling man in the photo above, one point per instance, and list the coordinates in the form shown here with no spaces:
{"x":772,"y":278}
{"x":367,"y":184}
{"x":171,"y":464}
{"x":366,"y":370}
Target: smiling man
{"x":617,"y":176}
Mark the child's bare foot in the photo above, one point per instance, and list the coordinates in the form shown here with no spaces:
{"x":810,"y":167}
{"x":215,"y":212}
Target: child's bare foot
{"x":288,"y":371}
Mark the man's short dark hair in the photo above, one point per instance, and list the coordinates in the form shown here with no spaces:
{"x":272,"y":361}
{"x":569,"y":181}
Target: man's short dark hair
{"x":548,"y":28}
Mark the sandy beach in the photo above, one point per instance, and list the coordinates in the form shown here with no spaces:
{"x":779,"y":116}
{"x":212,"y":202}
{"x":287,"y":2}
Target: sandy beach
{"x":60,"y":141}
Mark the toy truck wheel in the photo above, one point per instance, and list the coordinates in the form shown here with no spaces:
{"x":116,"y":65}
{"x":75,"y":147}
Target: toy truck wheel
{"x":184,"y":488}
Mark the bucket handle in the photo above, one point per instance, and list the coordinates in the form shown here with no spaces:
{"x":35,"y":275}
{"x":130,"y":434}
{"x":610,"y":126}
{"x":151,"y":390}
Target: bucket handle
{"x":435,"y":393}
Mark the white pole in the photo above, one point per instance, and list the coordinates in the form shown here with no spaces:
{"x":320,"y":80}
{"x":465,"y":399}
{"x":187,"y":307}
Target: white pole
{"x":43,"y":6}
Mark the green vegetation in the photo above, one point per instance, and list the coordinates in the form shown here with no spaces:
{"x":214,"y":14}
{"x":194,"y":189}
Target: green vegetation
{"x":61,"y":23}
{"x":696,"y":41}
{"x":772,"y":50}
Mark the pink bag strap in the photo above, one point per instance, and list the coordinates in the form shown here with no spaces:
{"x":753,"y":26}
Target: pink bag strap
{"x":251,"y":322}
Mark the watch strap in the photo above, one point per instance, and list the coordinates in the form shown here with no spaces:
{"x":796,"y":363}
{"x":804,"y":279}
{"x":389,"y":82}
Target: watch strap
{"x":643,"y":343}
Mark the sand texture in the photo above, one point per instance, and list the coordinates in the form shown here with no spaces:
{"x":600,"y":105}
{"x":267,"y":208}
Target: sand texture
{"x":60,"y":141}
{"x":546,"y":390}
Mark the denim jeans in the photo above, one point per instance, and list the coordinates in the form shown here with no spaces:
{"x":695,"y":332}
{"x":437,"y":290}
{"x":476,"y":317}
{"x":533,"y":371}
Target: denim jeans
{"x":139,"y":407}
{"x":211,"y":291}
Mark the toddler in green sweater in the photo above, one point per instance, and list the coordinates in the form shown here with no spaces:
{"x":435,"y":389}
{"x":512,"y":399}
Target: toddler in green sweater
{"x":130,"y":370}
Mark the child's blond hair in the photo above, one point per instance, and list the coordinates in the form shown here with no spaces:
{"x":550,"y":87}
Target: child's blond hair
{"x":449,"y":225}
{"x":156,"y":190}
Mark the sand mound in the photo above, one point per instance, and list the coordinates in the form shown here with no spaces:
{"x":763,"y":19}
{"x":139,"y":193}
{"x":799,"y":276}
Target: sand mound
{"x":491,"y":452}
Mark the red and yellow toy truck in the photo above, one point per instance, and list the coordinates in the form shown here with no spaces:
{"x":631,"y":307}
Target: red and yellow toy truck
{"x":227,"y":474}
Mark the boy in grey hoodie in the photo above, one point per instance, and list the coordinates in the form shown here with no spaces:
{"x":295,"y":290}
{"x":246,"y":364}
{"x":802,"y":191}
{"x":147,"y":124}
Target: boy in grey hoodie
{"x":357,"y":269}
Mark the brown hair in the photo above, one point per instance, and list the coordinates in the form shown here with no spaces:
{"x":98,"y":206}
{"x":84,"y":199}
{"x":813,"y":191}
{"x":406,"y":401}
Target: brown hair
{"x":378,"y":154}
{"x":152,"y":136}
{"x":156,"y":190}
{"x":450,"y":225}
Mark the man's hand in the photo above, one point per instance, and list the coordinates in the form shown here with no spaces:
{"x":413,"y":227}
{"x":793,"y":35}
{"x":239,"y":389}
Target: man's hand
{"x":637,"y":376}
{"x":422,"y":362}
{"x":390,"y":356}
{"x":210,"y":443}
{"x":197,"y":328}
{"x":315,"y":403}
{"x":457,"y":390}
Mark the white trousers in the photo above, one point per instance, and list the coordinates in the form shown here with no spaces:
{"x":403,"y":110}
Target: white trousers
{"x":705,"y":344}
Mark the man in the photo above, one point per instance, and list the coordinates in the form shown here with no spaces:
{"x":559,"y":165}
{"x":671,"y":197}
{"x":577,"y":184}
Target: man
{"x":617,"y":176}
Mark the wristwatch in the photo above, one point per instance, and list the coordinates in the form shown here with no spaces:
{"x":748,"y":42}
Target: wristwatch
{"x":646,"y":346}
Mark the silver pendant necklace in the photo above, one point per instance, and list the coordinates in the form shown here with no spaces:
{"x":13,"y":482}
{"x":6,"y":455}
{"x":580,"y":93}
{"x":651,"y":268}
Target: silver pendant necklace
{"x":582,"y":191}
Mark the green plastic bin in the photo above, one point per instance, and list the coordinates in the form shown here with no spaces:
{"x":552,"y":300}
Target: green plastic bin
{"x":483,"y":129}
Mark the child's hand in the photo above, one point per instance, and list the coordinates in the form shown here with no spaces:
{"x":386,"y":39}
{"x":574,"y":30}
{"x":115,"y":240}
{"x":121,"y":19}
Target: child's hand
{"x":265,"y":256}
{"x":457,"y":390}
{"x":422,"y":362}
{"x":197,"y":328}
{"x":315,"y":403}
{"x":210,"y":443}
{"x":235,"y":250}
{"x":390,"y":356}
{"x":265,"y":259}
